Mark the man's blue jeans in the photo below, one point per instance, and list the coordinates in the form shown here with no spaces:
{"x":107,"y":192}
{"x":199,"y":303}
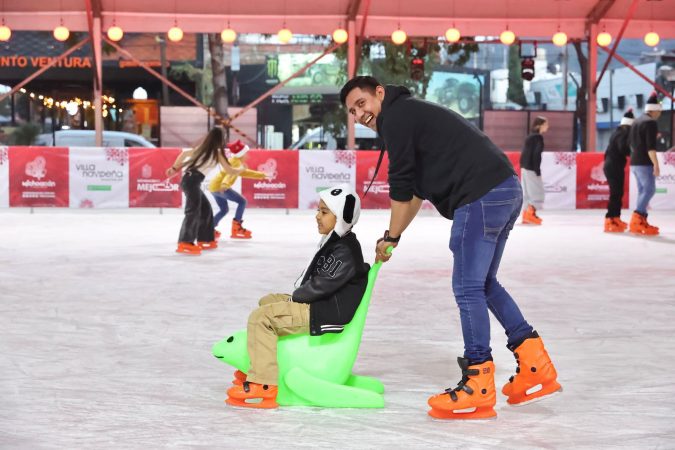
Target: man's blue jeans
{"x":477,"y":241}
{"x":646,"y":183}
{"x":222,"y":198}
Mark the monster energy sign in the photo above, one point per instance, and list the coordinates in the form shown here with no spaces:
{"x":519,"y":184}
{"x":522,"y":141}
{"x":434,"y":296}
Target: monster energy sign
{"x":272,"y":70}
{"x":297,"y":99}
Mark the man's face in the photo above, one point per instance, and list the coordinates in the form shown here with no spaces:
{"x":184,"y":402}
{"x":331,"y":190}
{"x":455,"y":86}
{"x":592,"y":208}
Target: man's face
{"x":365,"y":106}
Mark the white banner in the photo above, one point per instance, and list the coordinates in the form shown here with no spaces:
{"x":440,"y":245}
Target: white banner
{"x":321,"y":169}
{"x":4,"y":177}
{"x":99,"y":177}
{"x":664,"y":198}
{"x":559,"y":173}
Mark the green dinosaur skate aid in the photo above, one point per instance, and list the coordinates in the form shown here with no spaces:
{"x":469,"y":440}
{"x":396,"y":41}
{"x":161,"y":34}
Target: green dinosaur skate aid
{"x":317,"y":370}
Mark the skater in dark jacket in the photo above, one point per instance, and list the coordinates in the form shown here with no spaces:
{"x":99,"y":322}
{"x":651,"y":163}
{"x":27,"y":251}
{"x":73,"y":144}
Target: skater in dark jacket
{"x":530,"y":171}
{"x":435,"y":154}
{"x":614,"y":167}
{"x":324,"y":301}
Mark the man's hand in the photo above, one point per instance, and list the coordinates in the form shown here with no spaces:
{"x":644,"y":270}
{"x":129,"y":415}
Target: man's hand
{"x":657,"y":171}
{"x":381,"y":250}
{"x":171,"y":171}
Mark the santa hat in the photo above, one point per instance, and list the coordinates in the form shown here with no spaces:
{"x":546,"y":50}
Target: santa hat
{"x":344,"y":202}
{"x":628,"y":118}
{"x":237,"y":148}
{"x":653,"y":103}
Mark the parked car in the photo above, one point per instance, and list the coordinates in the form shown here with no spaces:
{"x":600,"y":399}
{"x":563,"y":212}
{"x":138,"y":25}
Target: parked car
{"x":317,"y":138}
{"x":87,"y":138}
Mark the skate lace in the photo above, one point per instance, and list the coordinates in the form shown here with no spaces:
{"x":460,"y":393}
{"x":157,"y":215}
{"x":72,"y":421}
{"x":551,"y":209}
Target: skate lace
{"x":461,"y":386}
{"x":512,"y":377}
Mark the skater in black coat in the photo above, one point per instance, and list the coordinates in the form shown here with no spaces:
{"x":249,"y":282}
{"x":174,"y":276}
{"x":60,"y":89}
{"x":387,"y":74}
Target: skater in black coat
{"x":616,"y":156}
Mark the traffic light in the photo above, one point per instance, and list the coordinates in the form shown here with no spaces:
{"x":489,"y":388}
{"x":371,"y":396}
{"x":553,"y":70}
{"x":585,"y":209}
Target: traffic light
{"x":417,"y":69}
{"x":527,"y":69}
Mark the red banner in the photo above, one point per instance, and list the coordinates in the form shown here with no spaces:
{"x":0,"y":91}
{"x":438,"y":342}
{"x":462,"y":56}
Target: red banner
{"x":149,"y":186}
{"x":592,"y":187}
{"x":378,"y":195}
{"x":281,"y":190}
{"x":38,"y":176}
{"x":514,"y":157}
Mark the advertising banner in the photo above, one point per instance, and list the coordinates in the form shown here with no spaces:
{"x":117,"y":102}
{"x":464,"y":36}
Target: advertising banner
{"x":559,"y":173}
{"x":514,"y":157}
{"x":592,"y":187}
{"x":99,"y":177}
{"x":664,"y":198}
{"x":281,"y":189}
{"x":38,"y":176}
{"x":149,"y":186}
{"x":321,"y":169}
{"x":378,"y":195}
{"x":4,"y":176}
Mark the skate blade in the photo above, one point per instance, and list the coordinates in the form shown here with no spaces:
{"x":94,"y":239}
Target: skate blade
{"x":256,"y":403}
{"x":541,"y":394}
{"x":484,"y":413}
{"x":187,"y":252}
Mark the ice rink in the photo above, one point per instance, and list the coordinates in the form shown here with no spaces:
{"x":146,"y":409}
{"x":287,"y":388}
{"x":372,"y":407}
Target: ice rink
{"x":106,"y":334}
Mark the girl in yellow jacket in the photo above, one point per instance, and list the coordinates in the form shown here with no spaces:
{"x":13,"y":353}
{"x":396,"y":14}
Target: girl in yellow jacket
{"x":221,"y":188}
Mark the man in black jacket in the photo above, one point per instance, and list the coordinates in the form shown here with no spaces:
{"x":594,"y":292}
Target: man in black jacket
{"x":437,"y":155}
{"x":324,"y":301}
{"x":614,"y":168}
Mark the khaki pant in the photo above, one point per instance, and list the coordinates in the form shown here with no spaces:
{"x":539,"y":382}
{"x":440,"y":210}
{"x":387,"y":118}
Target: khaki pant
{"x":277,"y":316}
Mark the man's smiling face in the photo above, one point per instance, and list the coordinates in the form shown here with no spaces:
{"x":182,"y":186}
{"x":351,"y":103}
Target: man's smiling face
{"x":365,"y":105}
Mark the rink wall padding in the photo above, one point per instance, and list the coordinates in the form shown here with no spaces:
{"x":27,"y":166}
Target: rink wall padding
{"x":92,"y":177}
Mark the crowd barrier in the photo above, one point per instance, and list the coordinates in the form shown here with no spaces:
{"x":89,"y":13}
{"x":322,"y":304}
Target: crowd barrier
{"x":86,"y":177}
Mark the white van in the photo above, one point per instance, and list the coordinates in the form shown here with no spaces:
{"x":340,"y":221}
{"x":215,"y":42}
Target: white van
{"x":317,"y":138}
{"x":87,"y":138}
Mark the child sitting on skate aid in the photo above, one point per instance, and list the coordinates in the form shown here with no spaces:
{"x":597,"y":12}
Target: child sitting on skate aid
{"x":317,"y":329}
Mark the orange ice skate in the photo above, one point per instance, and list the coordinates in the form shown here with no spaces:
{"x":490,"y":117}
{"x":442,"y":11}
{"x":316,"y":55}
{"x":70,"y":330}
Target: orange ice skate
{"x":530,"y":216}
{"x":238,"y":231}
{"x":535,"y":375}
{"x":639,"y":225}
{"x":188,"y":248}
{"x":613,"y":225}
{"x":473,"y":398}
{"x":252,"y":395}
{"x":208,"y":245}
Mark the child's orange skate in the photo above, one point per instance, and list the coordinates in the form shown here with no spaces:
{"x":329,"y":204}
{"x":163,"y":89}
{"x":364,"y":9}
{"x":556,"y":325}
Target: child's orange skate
{"x":188,"y":248}
{"x":238,"y":231}
{"x":208,"y":245}
{"x":253,"y":395}
{"x":473,"y":398}
{"x":239,"y":378}
{"x":530,"y":216}
{"x":535,"y":375}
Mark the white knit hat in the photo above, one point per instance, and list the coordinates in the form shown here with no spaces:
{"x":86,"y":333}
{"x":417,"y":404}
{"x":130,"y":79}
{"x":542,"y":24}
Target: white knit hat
{"x":345,"y":203}
{"x":628,"y":118}
{"x":653,"y":103}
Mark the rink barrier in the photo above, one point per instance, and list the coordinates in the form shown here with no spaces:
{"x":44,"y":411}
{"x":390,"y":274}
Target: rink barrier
{"x":93,"y":177}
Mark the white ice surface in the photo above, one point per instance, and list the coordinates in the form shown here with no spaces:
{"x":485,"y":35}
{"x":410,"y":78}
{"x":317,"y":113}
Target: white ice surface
{"x":105,"y":334}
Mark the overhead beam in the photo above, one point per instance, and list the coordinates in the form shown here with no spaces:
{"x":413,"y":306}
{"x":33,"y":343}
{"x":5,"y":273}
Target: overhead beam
{"x":629,"y":16}
{"x":599,"y":10}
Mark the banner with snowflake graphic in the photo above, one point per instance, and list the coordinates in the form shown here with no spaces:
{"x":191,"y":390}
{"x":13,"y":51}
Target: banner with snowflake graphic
{"x":99,"y":177}
{"x":38,"y":176}
{"x":321,"y":169}
{"x":280,"y":189}
{"x":592,"y":187}
{"x":664,"y":198}
{"x":4,"y":176}
{"x":559,"y":173}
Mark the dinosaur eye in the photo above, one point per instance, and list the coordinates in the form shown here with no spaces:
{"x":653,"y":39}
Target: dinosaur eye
{"x":230,"y":339}
{"x":335,"y":192}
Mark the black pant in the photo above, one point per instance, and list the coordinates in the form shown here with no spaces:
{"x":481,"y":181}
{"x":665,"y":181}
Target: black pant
{"x":615,"y":178}
{"x":198,"y":221}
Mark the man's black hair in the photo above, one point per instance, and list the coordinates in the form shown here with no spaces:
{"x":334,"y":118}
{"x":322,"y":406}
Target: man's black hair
{"x":364,"y":82}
